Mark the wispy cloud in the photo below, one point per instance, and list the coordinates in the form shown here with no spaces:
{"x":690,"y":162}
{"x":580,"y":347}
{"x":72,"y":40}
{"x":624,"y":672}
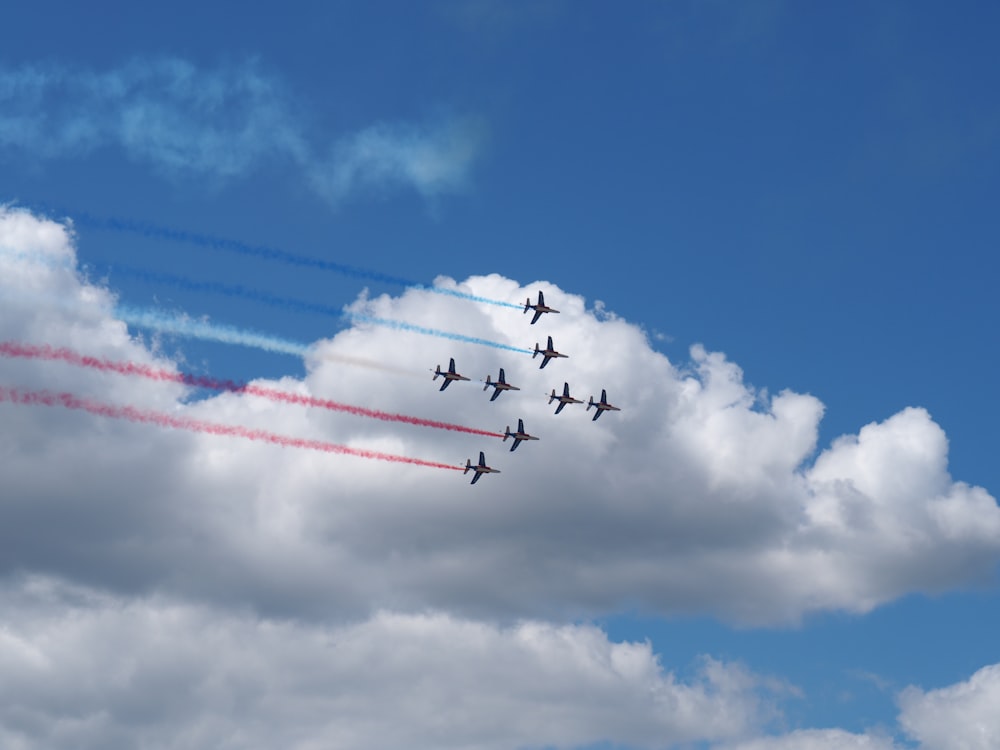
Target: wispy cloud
{"x":434,"y":158}
{"x":221,"y":123}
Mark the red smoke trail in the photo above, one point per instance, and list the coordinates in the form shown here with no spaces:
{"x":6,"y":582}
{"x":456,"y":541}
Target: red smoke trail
{"x":145,"y":416}
{"x":28,"y":351}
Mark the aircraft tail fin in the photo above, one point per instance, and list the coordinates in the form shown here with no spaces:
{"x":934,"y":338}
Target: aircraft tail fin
{"x":553,"y":396}
{"x":468,"y":465}
{"x":488,"y":383}
{"x":527,"y":304}
{"x":506,"y":433}
{"x":437,"y":372}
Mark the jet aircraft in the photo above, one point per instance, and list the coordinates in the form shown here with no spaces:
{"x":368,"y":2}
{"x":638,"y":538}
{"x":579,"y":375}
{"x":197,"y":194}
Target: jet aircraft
{"x":518,"y":436}
{"x":480,"y":468}
{"x":601,"y":406}
{"x":563,"y":399}
{"x":448,"y":376}
{"x":501,"y":384}
{"x":547,"y":353}
{"x":540,"y":308}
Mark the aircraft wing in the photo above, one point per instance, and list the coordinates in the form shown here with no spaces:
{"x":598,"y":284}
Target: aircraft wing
{"x":444,"y":384}
{"x":517,"y":442}
{"x":545,"y":361}
{"x":476,"y":478}
{"x":597,"y":413}
{"x":496,"y":392}
{"x":538,"y":314}
{"x":560,"y":407}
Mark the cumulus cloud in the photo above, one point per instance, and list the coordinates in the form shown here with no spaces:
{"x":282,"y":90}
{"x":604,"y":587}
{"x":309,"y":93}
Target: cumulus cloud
{"x":963,"y":716}
{"x":88,"y":670}
{"x":180,"y":589}
{"x":817,"y":739}
{"x":186,"y":121}
{"x":700,"y":496}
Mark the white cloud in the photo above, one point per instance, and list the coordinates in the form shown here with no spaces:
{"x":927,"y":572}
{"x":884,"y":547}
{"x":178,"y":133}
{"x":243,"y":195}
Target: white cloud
{"x":434,"y":159}
{"x":696,"y":497}
{"x":218,"y":123}
{"x":191,"y":590}
{"x":87,"y":670}
{"x":818,"y":739}
{"x":962,"y":716}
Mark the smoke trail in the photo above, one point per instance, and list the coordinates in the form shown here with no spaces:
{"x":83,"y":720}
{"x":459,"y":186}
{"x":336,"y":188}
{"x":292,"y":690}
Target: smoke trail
{"x":145,"y":416}
{"x":153,"y":231}
{"x":227,"y":290}
{"x":401,"y":326}
{"x":226,"y":334}
{"x":46,"y":352}
{"x":238,"y":290}
{"x":20,"y":256}
{"x":181,"y":325}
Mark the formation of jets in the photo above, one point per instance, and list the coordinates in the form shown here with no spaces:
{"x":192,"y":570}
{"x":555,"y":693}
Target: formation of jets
{"x":500,"y":385}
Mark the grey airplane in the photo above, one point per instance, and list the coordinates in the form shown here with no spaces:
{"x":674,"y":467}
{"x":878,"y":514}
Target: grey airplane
{"x":480,"y":468}
{"x":601,"y":406}
{"x":449,"y":375}
{"x":518,"y":436}
{"x":547,"y":353}
{"x":563,"y":399}
{"x":540,"y":308}
{"x":500,"y":385}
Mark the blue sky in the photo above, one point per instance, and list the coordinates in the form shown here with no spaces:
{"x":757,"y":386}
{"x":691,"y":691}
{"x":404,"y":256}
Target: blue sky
{"x":810,"y":191}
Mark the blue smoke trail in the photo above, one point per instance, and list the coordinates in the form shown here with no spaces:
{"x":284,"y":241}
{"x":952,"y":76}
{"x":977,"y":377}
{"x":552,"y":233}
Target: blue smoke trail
{"x":66,"y":264}
{"x":146,"y":229}
{"x":197,"y":329}
{"x":401,"y":326}
{"x":228,"y":290}
{"x":237,"y":290}
{"x":181,"y":325}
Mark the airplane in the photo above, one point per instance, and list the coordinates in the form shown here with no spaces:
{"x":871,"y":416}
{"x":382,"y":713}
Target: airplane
{"x":500,"y":385}
{"x":518,"y":436}
{"x":480,"y":469}
{"x":547,"y":354}
{"x":540,"y":308}
{"x":563,"y":399}
{"x":602,"y":405}
{"x":448,"y":376}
